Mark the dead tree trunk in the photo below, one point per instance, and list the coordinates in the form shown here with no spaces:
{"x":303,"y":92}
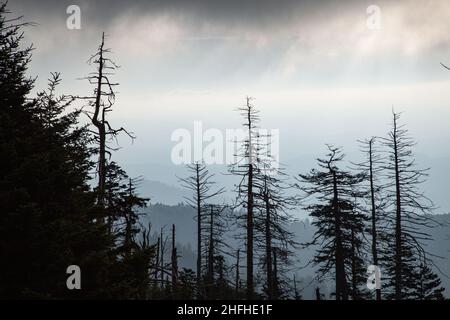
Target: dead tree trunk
{"x":268,"y":244}
{"x":211,"y":250}
{"x":174,"y":262}
{"x":199,"y":229}
{"x":250,"y":285}
{"x":373,"y":211}
{"x":296,"y":294}
{"x":398,"y":219}
{"x":318,"y":295}
{"x":354,"y":267}
{"x":155,"y":275}
{"x":128,"y":222}
{"x":341,"y":282}
{"x":199,"y":182}
{"x":275,"y":283}
{"x":237,"y":287}
{"x":100,"y":103}
{"x":246,"y":168}
{"x":162,"y":259}
{"x":100,"y":125}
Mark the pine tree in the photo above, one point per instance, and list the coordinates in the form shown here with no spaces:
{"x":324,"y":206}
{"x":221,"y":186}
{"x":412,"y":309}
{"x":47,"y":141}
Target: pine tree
{"x":122,"y":204}
{"x":335,"y":217}
{"x":45,"y":200}
{"x":215,"y":228}
{"x":429,"y":286}
{"x":187,"y":285}
{"x":355,"y":228}
{"x":271,"y":225}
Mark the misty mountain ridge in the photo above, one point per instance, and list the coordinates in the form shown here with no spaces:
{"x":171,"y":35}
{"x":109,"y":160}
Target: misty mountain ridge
{"x":165,"y":188}
{"x":183,"y":216}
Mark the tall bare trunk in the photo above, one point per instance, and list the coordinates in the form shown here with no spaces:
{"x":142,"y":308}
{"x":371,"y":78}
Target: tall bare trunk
{"x":199,"y":231}
{"x":174,"y":262}
{"x":354,"y":271}
{"x":275,"y":288}
{"x":250,"y":288}
{"x":268,"y":236}
{"x":237,"y":271}
{"x":155,"y":276}
{"x":211,"y":250}
{"x":100,"y":125}
{"x":398,"y":221}
{"x":162,"y":259}
{"x":373,"y":216}
{"x":341,"y":282}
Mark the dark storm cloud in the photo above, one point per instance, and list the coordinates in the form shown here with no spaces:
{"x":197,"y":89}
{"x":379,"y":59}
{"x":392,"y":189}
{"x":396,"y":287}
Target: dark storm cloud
{"x":283,"y":37}
{"x":256,"y":13}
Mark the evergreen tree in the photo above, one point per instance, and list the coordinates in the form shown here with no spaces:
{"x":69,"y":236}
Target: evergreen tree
{"x":122,"y":204}
{"x":354,"y":230}
{"x":335,"y":218}
{"x":216,"y":247}
{"x":429,"y":286}
{"x":271,"y":225}
{"x":222,"y":284}
{"x":187,"y":285}
{"x":44,"y":186}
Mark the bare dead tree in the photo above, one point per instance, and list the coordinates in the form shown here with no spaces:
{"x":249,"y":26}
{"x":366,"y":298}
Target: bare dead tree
{"x":162,"y":253}
{"x":99,"y":105}
{"x":174,"y":262}
{"x":410,"y":209}
{"x":201,"y":184}
{"x":157,"y":263}
{"x":445,"y":66}
{"x":245,"y":168}
{"x":296,"y":293}
{"x":237,"y":278}
{"x":146,"y":235}
{"x":318,"y":295}
{"x":371,"y":167}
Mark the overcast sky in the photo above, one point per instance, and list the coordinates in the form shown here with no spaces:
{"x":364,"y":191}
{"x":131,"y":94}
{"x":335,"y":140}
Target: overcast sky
{"x":317,"y":71}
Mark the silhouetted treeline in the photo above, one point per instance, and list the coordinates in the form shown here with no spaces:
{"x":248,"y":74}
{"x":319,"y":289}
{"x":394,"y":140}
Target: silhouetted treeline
{"x":50,"y":216}
{"x":65,"y":201}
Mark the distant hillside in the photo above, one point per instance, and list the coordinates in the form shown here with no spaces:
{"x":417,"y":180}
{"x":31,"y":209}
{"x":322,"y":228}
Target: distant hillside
{"x":163,"y":216}
{"x":162,"y":185}
{"x":159,"y":192}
